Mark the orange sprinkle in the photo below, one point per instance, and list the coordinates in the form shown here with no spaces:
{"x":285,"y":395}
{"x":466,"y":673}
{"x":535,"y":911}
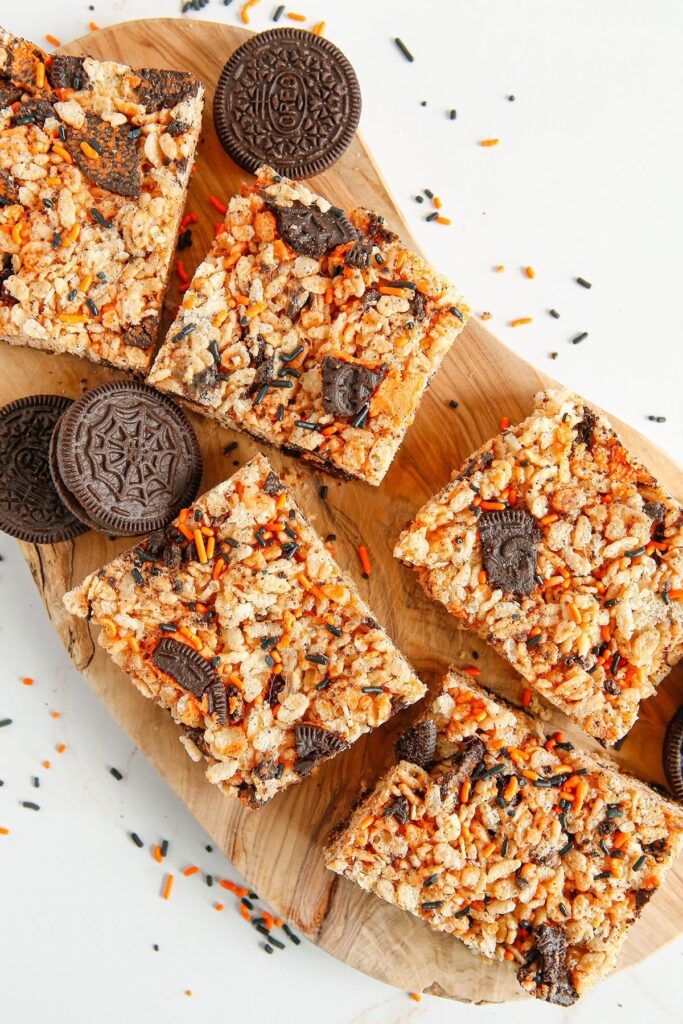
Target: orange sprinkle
{"x":218,"y":568}
{"x":508,"y":954}
{"x":504,"y":424}
{"x":365,"y":562}
{"x":488,"y":850}
{"x":64,"y":153}
{"x":318,"y":28}
{"x":201,"y":550}
{"x":574,"y":613}
{"x":437,"y":202}
{"x":218,"y":205}
{"x":443,"y":220}
{"x":4,"y":831}
{"x":60,"y":748}
{"x":27,"y":681}
{"x":181,"y":271}
{"x":472,"y":670}
{"x":89,"y":151}
{"x":255,"y":310}
{"x":465,"y":791}
{"x":521,"y":320}
{"x":72,"y":234}
{"x":156,"y":853}
{"x":489,"y":142}
{"x":210,"y":547}
{"x":676,"y":595}
{"x":526,"y":698}
{"x":415,"y":996}
{"x":244,"y":13}
{"x":244,"y":912}
{"x":487,"y":316}
{"x":511,"y":789}
{"x":52,"y":40}
{"x":296,"y":17}
{"x":168,"y":886}
{"x":367,"y":821}
{"x":192,"y":870}
{"x":530,"y":273}
{"x":55,"y":714}
{"x":93,"y":27}
{"x":499,"y":269}
{"x":85,"y":283}
{"x":47,"y":765}
{"x":219,"y":906}
{"x":225,"y":883}
{"x":495,"y":506}
{"x":188,"y":991}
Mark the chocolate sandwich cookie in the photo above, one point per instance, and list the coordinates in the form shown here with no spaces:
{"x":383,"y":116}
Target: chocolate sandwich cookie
{"x":289,"y":99}
{"x":65,"y":495}
{"x":129,"y":457}
{"x":30,"y":507}
{"x":673,"y":754}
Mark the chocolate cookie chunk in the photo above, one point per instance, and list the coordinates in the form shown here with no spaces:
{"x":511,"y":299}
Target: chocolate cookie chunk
{"x":399,"y":809}
{"x":107,"y":155}
{"x":289,"y":99}
{"x":9,"y":189}
{"x":129,"y":457}
{"x":193,"y":673}
{"x":315,"y":744}
{"x":159,"y":89}
{"x":67,"y":73}
{"x":347,"y":387}
{"x":30,"y":507}
{"x":309,"y":231}
{"x":141,"y":335}
{"x":418,"y":744}
{"x":508,"y":539}
{"x":464,"y":763}
{"x":547,"y":976}
{"x":673,"y":754}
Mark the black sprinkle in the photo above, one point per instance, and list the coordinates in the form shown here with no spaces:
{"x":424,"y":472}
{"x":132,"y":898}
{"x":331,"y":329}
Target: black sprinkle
{"x":453,"y":404}
{"x":102,"y":221}
{"x":452,"y":114}
{"x":324,"y":491}
{"x":30,"y":805}
{"x":279,"y":11}
{"x":583,"y":282}
{"x":92,"y":306}
{"x":136,"y":839}
{"x":579,"y":338}
{"x":116,"y":773}
{"x":419,"y":199}
{"x":291,"y":935}
{"x":209,"y":880}
{"x":432,"y":905}
{"x":554,"y":314}
{"x":268,"y":948}
{"x":137,"y":576}
{"x":230,"y":448}
{"x":155,"y":947}
{"x":5,"y":721}
{"x":164,"y":847}
{"x":404,"y":50}
{"x":511,"y":98}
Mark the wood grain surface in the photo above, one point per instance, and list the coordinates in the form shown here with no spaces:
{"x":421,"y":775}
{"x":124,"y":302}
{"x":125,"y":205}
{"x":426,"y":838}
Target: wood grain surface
{"x":278,"y":848}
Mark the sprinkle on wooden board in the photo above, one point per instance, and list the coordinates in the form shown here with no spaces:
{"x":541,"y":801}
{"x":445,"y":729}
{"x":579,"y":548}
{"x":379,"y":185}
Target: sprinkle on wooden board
{"x":364,"y":557}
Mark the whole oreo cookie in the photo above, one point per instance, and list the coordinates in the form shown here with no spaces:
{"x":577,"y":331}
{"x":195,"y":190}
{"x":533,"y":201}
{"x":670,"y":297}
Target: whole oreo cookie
{"x":673,"y":754}
{"x":129,"y":457}
{"x":289,"y":99}
{"x":30,"y":507}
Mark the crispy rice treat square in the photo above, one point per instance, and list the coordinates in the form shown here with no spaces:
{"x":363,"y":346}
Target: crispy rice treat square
{"x":563,"y":552}
{"x":313,"y":332}
{"x":526,"y":849}
{"x":239,"y":622}
{"x":95,"y":160}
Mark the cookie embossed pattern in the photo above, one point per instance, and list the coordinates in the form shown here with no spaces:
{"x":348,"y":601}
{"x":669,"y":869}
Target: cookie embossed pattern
{"x":289,"y":99}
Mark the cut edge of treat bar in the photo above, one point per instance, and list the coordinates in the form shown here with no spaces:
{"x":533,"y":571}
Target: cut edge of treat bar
{"x":182,"y":389}
{"x":429,"y":575}
{"x":78,"y":603}
{"x":134,"y":359}
{"x":438,"y":750}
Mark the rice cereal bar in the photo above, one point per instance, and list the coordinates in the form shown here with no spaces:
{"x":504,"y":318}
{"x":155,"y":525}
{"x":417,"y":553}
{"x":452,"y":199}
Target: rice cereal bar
{"x":95,"y":160}
{"x":238,"y":620}
{"x":563,"y":552}
{"x":311,"y":331}
{"x":523,"y":847}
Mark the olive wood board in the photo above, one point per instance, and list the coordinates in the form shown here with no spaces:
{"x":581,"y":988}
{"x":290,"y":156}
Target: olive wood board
{"x":278,"y":848}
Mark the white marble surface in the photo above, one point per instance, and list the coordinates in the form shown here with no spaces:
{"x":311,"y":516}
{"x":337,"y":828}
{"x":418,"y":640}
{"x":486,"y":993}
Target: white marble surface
{"x":585,"y":181}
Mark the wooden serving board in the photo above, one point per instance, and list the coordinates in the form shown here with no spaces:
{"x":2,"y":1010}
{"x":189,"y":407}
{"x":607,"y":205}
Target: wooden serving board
{"x":278,"y":848}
